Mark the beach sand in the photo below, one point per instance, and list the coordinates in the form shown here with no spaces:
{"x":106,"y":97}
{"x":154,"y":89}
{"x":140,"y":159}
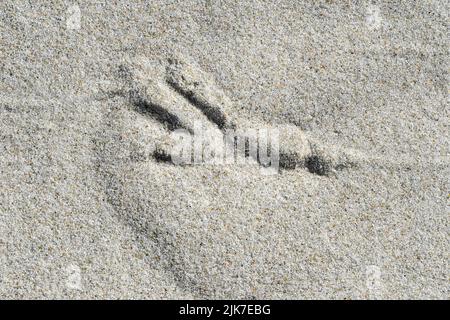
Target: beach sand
{"x":358,"y":209}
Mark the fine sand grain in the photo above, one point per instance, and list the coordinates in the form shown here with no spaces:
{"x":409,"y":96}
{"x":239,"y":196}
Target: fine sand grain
{"x":92,"y":205}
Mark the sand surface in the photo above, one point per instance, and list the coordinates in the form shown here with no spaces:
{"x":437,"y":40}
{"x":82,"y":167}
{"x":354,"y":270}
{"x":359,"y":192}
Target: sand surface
{"x":89,"y":91}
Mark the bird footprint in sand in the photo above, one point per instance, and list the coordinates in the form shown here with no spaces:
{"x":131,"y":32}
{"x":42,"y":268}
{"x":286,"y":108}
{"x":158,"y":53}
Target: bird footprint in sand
{"x":181,"y":96}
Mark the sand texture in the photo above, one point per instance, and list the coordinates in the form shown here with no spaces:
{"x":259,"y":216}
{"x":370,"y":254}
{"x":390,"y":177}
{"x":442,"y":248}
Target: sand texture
{"x":93,"y":205}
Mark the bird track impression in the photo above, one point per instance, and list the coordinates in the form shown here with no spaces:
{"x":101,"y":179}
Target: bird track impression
{"x":179,"y":95}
